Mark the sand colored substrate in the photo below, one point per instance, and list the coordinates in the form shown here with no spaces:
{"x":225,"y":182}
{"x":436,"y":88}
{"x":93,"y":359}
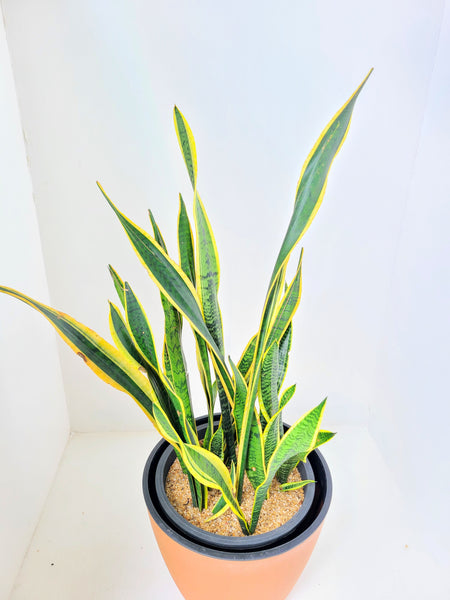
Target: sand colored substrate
{"x":276,"y":510}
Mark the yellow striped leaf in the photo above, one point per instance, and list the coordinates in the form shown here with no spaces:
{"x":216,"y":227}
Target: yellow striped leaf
{"x":207,"y":468}
{"x":108,"y":363}
{"x":295,"y":485}
{"x":139,"y":327}
{"x":118,"y":284}
{"x":299,"y":439}
{"x":313,"y":178}
{"x":187,"y":145}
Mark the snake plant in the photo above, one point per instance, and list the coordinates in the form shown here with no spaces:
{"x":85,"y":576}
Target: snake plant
{"x":250,"y":437}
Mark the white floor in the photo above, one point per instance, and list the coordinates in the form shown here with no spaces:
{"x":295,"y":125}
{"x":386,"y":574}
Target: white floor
{"x":94,"y":540}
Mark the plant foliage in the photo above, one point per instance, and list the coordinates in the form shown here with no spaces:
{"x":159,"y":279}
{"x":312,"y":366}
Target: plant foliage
{"x":250,"y":437}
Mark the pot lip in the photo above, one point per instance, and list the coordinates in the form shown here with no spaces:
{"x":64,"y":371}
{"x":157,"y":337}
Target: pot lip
{"x":229,"y":543}
{"x":321,"y":506}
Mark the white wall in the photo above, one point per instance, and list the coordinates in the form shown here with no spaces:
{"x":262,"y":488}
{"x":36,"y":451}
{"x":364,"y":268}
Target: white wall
{"x":409,"y":408}
{"x":34,"y":421}
{"x":96,"y":84}
{"x":257,"y":80}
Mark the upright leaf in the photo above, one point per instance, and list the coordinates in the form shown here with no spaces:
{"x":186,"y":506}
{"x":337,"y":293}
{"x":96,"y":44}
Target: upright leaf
{"x":208,"y":272}
{"x":269,"y":382}
{"x":118,"y":284}
{"x":246,"y":360}
{"x":174,"y":284}
{"x":283,"y":354}
{"x":240,"y":397}
{"x":210,"y":470}
{"x":287,"y":307}
{"x":300,"y":438}
{"x":185,"y":243}
{"x":139,"y":327}
{"x":255,"y":458}
{"x":313,"y":178}
{"x":187,"y":145}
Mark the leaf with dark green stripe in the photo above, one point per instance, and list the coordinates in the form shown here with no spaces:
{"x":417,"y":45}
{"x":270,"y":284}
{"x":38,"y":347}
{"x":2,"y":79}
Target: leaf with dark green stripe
{"x":207,"y":272}
{"x":283,"y":354}
{"x":295,"y":485}
{"x":246,"y":360}
{"x":217,"y":443}
{"x":271,"y":436}
{"x":323,"y":437}
{"x":185,"y":242}
{"x":255,"y":458}
{"x":140,"y":327}
{"x":219,"y":508}
{"x":300,"y":438}
{"x":313,"y":178}
{"x":240,"y":397}
{"x":167,"y":430}
{"x":121,"y":335}
{"x":173,"y":283}
{"x":210,"y":470}
{"x":167,"y":275}
{"x":288,"y":306}
{"x":106,"y":361}
{"x":187,"y":145}
{"x":287,"y":395}
{"x":174,"y":361}
{"x":285,"y":469}
{"x":269,"y":382}
{"x":266,"y":319}
{"x":118,"y":284}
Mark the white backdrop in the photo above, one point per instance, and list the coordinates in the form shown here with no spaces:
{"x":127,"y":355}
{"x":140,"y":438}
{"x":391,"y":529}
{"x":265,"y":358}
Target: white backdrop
{"x":257,"y":81}
{"x":34,"y":424}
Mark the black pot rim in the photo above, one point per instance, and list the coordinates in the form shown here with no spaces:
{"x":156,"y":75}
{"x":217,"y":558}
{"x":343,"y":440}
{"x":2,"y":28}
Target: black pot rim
{"x":276,"y":543}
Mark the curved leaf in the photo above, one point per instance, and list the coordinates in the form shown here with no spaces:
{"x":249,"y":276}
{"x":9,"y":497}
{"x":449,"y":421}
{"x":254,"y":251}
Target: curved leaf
{"x":299,"y":439}
{"x":207,"y":468}
{"x":313,"y":178}
{"x":106,"y":361}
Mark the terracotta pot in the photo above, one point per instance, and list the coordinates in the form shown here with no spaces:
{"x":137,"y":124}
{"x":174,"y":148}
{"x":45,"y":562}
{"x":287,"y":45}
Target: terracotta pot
{"x":205,"y":565}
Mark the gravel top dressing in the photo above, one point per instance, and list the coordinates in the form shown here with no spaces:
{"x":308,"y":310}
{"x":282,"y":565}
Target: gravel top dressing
{"x":276,"y":510}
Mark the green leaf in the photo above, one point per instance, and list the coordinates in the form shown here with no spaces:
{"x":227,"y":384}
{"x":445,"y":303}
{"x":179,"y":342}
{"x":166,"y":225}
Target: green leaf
{"x":207,"y":468}
{"x":299,"y":439}
{"x":118,"y":284}
{"x":271,"y":436}
{"x":187,"y":145}
{"x":174,"y":284}
{"x":323,"y":437}
{"x":313,"y":178}
{"x":287,"y":395}
{"x":283,"y":354}
{"x":107,"y":362}
{"x":288,"y":306}
{"x":121,"y":335}
{"x":285,"y":469}
{"x":208,"y":272}
{"x":269,"y":382}
{"x":266,"y":319}
{"x":255,"y":458}
{"x":167,"y":275}
{"x":246,"y":360}
{"x":217,"y":443}
{"x":295,"y":485}
{"x":185,"y":242}
{"x":240,"y":397}
{"x":140,"y":327}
